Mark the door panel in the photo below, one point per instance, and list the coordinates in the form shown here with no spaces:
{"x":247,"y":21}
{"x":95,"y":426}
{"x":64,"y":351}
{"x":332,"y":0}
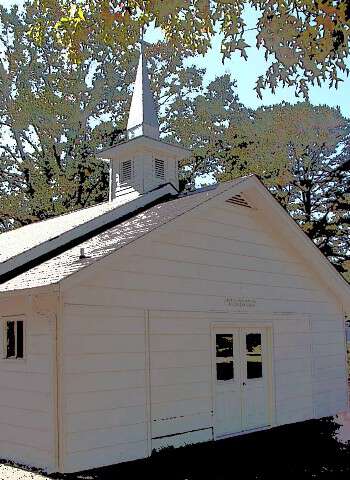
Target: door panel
{"x":255,"y":382}
{"x":241,"y":379}
{"x":227,"y":375}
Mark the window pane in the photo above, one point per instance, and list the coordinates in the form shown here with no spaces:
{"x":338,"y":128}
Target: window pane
{"x":224,"y":345}
{"x":19,"y":339}
{"x":254,"y":355}
{"x":224,"y":371}
{"x":10,"y":340}
{"x":224,"y":357}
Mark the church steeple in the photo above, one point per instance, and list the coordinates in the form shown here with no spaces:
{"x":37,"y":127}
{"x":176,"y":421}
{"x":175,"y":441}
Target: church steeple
{"x":143,"y":114}
{"x":143,"y":162}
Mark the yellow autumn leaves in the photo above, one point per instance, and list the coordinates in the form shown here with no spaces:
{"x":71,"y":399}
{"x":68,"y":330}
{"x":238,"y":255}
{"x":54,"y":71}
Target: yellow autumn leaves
{"x":305,"y":40}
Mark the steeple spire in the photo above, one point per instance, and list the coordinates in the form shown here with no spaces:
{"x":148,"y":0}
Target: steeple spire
{"x":143,"y":162}
{"x":143,"y":119}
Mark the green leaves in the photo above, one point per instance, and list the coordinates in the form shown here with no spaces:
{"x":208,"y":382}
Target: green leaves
{"x":305,"y":40}
{"x":301,"y":152}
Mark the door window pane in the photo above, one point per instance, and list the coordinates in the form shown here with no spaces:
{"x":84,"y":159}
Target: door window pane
{"x":254,"y":355}
{"x":224,"y":357}
{"x":224,"y":345}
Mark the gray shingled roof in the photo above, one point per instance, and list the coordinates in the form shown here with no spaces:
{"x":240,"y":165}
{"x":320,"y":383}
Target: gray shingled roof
{"x":22,"y":239}
{"x":65,"y":264}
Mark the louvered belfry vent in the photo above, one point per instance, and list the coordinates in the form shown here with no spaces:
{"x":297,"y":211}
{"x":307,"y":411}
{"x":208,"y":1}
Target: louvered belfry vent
{"x":238,"y":200}
{"x":127,"y":171}
{"x":159,"y":168}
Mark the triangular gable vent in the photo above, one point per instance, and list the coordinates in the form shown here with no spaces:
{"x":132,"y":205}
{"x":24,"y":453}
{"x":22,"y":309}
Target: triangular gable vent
{"x":238,"y":200}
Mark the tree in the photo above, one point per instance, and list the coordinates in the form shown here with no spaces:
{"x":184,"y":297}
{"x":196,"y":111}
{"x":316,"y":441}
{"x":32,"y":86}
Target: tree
{"x":305,"y":41}
{"x":301,"y":153}
{"x":56,"y":115}
{"x":204,"y":125}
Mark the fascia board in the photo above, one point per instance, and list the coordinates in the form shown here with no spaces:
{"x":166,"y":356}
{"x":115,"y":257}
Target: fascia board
{"x":144,"y":143}
{"x":81,"y":230}
{"x":52,"y":288}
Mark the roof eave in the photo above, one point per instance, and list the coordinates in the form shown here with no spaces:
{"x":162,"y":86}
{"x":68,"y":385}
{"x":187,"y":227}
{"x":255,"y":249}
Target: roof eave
{"x":111,"y":153}
{"x":39,"y":290}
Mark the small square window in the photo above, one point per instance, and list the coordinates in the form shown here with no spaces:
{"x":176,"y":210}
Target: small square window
{"x":14,"y":338}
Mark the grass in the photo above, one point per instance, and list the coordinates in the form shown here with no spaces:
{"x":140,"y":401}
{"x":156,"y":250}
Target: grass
{"x":307,"y":450}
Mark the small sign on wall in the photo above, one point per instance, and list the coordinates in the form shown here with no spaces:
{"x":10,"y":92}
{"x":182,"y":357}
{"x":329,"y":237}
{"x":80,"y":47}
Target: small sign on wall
{"x":240,"y":302}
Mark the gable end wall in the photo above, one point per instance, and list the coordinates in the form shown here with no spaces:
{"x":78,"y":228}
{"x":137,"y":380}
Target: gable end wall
{"x":152,"y":305}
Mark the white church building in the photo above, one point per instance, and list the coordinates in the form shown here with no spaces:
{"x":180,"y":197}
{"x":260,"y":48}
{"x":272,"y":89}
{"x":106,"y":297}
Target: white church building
{"x":159,"y":318}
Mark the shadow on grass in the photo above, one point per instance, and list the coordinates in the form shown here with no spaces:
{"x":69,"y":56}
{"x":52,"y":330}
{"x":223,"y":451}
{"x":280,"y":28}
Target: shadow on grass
{"x":306,"y":450}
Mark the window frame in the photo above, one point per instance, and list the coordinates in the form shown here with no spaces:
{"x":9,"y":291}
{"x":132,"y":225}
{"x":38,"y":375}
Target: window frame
{"x":15,"y":319}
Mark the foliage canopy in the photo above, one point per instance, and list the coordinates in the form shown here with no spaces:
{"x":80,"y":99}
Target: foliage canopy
{"x":305,"y":41}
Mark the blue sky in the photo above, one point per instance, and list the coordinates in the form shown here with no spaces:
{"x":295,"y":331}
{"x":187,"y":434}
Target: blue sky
{"x":246,"y":73}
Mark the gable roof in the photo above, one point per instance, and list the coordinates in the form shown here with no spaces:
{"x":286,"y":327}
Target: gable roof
{"x":66,"y":263}
{"x":63,"y":265}
{"x":27,"y":244}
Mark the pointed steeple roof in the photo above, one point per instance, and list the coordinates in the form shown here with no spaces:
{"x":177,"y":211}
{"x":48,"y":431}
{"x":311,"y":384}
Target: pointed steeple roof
{"x":143,"y":113}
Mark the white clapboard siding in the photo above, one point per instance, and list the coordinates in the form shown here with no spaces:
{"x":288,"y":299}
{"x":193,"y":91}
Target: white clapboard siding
{"x":102,"y":400}
{"x":89,"y":421}
{"x":294,"y":339}
{"x":219,"y":273}
{"x":76,"y":344}
{"x":296,"y":415}
{"x":164,"y":411}
{"x":135,"y":282}
{"x":212,"y":226}
{"x":27,"y":418}
{"x":191,"y":358}
{"x":105,"y":437}
{"x":329,"y":360}
{"x":184,"y":391}
{"x":217,"y":243}
{"x":104,"y":375}
{"x":174,"y":376}
{"x":109,"y":362}
{"x":32,"y":401}
{"x":150,"y":299}
{"x":86,"y":459}
{"x":286,"y":366}
{"x":137,"y":335}
{"x":22,"y":453}
{"x":90,"y":382}
{"x":173,"y":426}
{"x":182,"y":342}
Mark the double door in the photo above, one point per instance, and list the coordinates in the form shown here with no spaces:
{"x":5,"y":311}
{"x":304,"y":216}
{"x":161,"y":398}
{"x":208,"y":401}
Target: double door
{"x":241,"y":379}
